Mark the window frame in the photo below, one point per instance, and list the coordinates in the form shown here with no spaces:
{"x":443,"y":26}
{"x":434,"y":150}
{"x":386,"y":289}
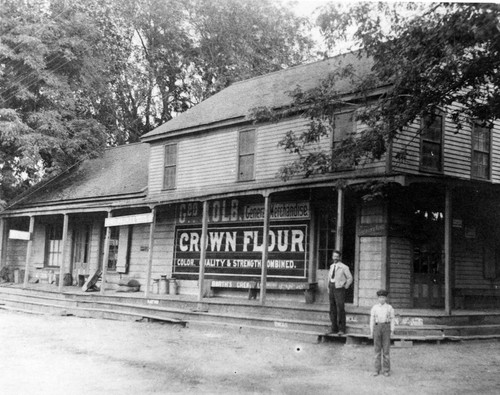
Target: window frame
{"x":333,"y":142}
{"x":353,"y":122}
{"x":48,"y":260}
{"x":170,"y":166}
{"x":473,"y":150}
{"x":246,"y":154}
{"x":424,"y":140}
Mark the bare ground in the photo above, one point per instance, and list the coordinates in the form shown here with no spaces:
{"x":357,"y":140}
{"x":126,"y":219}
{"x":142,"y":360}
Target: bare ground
{"x":43,"y":354}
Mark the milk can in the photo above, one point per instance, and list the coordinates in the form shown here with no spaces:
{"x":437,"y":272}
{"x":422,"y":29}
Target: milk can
{"x":174,"y":286}
{"x":155,"y":286}
{"x":163,"y":285}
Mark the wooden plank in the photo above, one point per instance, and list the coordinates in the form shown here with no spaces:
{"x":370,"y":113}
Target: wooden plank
{"x":64,"y":243}
{"x":203,"y":250}
{"x":28,"y":252}
{"x":265,"y":249}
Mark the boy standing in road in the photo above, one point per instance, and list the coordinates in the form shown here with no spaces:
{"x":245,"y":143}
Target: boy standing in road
{"x":381,"y":328}
{"x":340,"y":279}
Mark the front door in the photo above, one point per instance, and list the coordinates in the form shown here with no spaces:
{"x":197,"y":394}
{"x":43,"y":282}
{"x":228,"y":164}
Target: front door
{"x":428,"y":259}
{"x":428,"y":284}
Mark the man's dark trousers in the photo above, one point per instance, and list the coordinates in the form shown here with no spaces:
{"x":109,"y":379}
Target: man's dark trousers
{"x":337,"y":308}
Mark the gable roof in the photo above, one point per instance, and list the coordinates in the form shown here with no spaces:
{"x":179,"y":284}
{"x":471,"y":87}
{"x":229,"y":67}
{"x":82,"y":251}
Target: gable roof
{"x":270,"y":90}
{"x":119,"y":171}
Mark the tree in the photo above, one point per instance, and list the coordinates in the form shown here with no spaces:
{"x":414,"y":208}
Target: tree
{"x":186,"y":50}
{"x":77,"y":76}
{"x":426,"y":56}
{"x":47,"y":65}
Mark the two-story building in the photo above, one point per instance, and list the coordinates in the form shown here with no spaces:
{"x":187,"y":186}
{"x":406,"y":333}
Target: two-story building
{"x":203,"y":188}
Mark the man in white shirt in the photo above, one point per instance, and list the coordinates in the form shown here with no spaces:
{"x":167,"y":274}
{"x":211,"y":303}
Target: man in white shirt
{"x":381,"y":328}
{"x":339,"y":280}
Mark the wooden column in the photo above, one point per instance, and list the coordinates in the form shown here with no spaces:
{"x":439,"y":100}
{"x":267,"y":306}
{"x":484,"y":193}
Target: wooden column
{"x":152,"y":227}
{"x":63,"y":252}
{"x":312,"y":241}
{"x":447,"y":250}
{"x":265,"y":249}
{"x":3,"y":241}
{"x":105,"y":255}
{"x":203,"y":251}
{"x":28,"y":251}
{"x":339,"y":234}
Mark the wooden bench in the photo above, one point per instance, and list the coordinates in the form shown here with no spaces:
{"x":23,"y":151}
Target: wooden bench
{"x":459,"y":294}
{"x":253,"y":287}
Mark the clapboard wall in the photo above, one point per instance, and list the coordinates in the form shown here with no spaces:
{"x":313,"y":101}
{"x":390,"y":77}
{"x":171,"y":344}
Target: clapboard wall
{"x":210,"y":159}
{"x":457,"y":150}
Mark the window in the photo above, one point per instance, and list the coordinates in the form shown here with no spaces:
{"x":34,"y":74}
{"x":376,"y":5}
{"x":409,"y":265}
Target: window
{"x":481,"y":143}
{"x":119,"y":248}
{"x":432,"y":141}
{"x":53,"y":247}
{"x":113,"y":248}
{"x":343,"y":126}
{"x":81,"y":244}
{"x":170,"y":169}
{"x":246,"y":159}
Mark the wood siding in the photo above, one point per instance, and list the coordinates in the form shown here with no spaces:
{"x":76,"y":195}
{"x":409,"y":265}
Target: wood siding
{"x":370,"y":269}
{"x":211,"y":159}
{"x":400,"y":272}
{"x":457,"y":150}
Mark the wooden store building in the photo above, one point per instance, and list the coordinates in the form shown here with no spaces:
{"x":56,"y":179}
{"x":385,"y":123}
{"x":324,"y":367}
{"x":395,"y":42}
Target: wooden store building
{"x":203,"y":188}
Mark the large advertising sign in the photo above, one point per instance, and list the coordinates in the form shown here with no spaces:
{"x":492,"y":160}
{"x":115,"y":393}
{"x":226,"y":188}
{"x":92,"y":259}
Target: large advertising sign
{"x":236,"y":250}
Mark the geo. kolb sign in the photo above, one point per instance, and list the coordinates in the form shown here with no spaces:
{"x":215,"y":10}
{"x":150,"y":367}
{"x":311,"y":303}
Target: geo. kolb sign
{"x":237,"y":250}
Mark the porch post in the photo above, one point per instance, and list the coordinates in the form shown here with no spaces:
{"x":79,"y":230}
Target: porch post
{"x":105,"y":255}
{"x":203,"y":250}
{"x":63,"y":252}
{"x":339,"y":234}
{"x":265,"y":249}
{"x":312,"y":248}
{"x":3,"y":239}
{"x":447,"y":251}
{"x":28,"y":251}
{"x":150,"y":253}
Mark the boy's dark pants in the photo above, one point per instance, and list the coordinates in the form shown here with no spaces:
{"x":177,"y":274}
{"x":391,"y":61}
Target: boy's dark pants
{"x":382,"y":342}
{"x":337,"y":308}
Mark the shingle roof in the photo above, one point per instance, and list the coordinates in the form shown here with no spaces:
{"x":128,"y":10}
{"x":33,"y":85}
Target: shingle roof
{"x":270,"y":90}
{"x":119,"y":171}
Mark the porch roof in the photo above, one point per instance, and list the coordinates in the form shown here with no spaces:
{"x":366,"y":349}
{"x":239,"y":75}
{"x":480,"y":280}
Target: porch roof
{"x":119,"y":172}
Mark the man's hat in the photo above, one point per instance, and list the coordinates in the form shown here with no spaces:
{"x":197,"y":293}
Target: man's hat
{"x":382,"y":292}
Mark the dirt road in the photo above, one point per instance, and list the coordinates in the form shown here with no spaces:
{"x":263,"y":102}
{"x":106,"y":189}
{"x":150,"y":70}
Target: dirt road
{"x":67,"y":355}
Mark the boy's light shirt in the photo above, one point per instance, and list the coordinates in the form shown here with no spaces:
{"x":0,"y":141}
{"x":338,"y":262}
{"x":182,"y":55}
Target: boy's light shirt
{"x":382,"y":313}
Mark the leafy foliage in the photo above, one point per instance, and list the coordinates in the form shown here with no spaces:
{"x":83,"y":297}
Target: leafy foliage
{"x":77,"y":76}
{"x":425,"y":57}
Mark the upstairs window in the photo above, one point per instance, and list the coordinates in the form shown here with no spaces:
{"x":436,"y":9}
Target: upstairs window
{"x":246,"y":157}
{"x":432,"y":143}
{"x":481,"y":151}
{"x":170,"y":167}
{"x":343,"y":126}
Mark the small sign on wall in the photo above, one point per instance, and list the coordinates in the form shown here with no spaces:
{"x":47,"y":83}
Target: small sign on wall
{"x":19,"y":235}
{"x":470,"y":232}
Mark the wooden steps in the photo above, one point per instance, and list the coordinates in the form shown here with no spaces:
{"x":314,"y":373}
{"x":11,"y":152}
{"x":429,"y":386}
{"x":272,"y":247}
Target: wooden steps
{"x":306,"y":320}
